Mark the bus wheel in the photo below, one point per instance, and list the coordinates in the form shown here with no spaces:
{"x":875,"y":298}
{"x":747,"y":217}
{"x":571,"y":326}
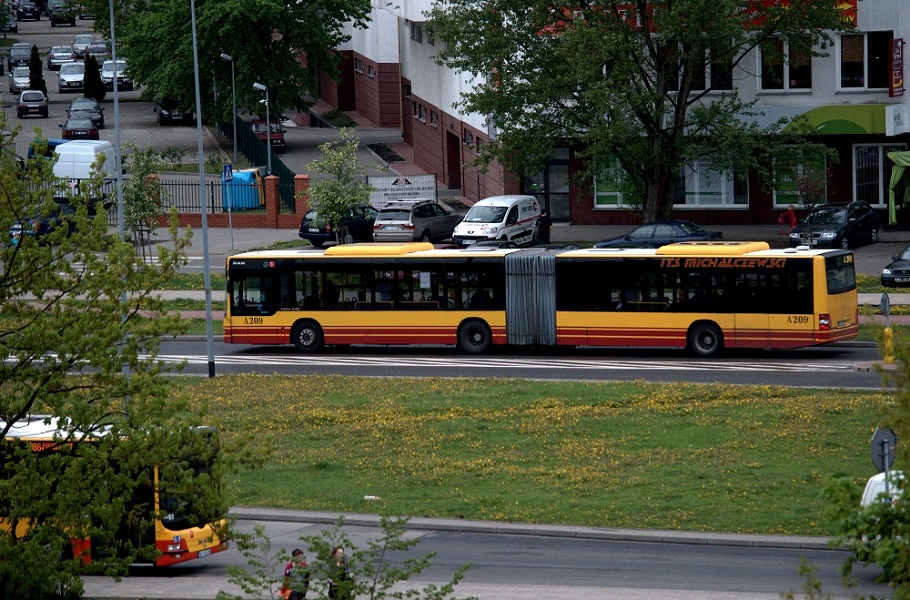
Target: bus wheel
{"x":307,"y":336}
{"x":705,"y":340}
{"x":475,"y":337}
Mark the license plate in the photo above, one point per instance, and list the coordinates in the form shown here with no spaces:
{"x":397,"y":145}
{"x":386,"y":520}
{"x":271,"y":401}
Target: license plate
{"x":35,"y":109}
{"x":467,"y":242}
{"x":901,"y":279}
{"x":204,"y":553}
{"x":392,"y":228}
{"x":314,"y":230}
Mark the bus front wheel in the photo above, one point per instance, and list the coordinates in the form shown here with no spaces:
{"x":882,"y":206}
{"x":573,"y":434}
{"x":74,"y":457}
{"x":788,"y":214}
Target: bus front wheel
{"x":307,"y":336}
{"x":705,"y":340}
{"x":475,"y":337}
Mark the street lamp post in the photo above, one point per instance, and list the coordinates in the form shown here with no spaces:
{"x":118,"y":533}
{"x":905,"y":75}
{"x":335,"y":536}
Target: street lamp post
{"x":230,"y":59}
{"x":268,"y":126}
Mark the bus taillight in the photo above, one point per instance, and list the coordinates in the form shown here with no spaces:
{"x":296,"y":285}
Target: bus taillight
{"x":824,"y":322}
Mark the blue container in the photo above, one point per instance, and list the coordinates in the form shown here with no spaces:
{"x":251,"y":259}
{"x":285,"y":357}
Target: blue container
{"x":245,"y":192}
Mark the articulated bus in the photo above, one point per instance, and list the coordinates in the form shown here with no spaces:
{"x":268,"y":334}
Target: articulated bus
{"x":704,"y":296}
{"x":156,"y":518}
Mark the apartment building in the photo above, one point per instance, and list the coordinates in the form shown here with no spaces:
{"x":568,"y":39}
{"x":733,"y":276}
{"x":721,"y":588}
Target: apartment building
{"x":854,"y":96}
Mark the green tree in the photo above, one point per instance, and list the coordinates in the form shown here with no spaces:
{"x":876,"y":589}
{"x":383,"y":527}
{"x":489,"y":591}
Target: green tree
{"x":36,"y":72}
{"x":92,"y":86}
{"x":143,"y":194}
{"x":334,"y":197}
{"x":267,"y":38}
{"x":378,"y":571}
{"x":81,"y":326}
{"x":624,"y":82}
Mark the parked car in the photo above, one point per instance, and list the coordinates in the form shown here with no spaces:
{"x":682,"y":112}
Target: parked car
{"x":513,"y":218}
{"x":274,"y":134}
{"x":109,"y":71}
{"x":99,"y":50}
{"x":59,"y":55}
{"x":87,"y":108}
{"x":61,"y":12}
{"x":897,"y":272}
{"x":79,"y":129}
{"x":37,"y":227}
{"x":405,"y":221}
{"x":28,"y":11}
{"x":837,"y":225}
{"x":359,"y":225}
{"x":19,"y":55}
{"x":31,"y":102}
{"x":81,"y":42}
{"x":9,"y":25}
{"x":71,"y":77}
{"x":18,"y":79}
{"x":170,"y":110}
{"x":660,"y":233}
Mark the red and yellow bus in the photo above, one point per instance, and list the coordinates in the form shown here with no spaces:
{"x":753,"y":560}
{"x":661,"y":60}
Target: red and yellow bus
{"x":156,"y":516}
{"x":704,"y":296}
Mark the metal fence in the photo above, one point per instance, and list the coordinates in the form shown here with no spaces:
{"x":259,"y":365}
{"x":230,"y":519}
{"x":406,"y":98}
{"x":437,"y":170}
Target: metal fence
{"x":257,"y":153}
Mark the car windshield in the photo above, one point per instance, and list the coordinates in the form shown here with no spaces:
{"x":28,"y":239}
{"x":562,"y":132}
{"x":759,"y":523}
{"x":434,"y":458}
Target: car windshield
{"x":33,"y":97}
{"x":20,"y":72}
{"x":60,"y":50}
{"x":395,"y":214}
{"x":485,"y":214}
{"x":109,"y":66}
{"x":72,"y":69}
{"x":83,"y":105}
{"x":20,"y":52}
{"x":79,"y":124}
{"x":827,"y":216}
{"x":84,"y":39}
{"x":260,"y":127}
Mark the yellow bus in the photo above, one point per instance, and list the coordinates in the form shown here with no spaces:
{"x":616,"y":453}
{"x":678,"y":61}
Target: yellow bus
{"x":704,"y":296}
{"x":156,"y":516}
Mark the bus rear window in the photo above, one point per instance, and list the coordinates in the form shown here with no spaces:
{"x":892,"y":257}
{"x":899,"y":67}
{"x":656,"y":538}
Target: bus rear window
{"x":840,"y":274}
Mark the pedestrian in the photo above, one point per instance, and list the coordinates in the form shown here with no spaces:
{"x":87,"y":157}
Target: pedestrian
{"x":544,"y":227}
{"x":341,"y":584}
{"x":296,"y":577}
{"x":788,"y":217}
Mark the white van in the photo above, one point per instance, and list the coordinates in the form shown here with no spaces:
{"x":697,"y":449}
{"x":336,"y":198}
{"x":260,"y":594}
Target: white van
{"x":76,"y":161}
{"x":875,"y":489}
{"x":513,"y":218}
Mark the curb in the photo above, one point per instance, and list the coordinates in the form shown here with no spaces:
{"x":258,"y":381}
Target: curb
{"x":560,"y":531}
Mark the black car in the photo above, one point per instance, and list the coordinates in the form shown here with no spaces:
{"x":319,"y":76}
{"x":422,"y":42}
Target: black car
{"x":87,"y":108}
{"x":28,"y":11}
{"x":170,"y":110}
{"x":837,"y":225}
{"x":60,"y":12}
{"x":19,"y":55}
{"x":79,"y":129}
{"x":359,"y":225}
{"x":39,"y":226}
{"x":660,"y":233}
{"x":897,"y":272}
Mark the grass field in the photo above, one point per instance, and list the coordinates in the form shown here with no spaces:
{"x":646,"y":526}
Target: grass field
{"x":682,"y":456}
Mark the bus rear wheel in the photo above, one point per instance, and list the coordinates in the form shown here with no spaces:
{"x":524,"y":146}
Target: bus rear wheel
{"x":307,"y":336}
{"x":475,"y":337}
{"x":705,"y":340}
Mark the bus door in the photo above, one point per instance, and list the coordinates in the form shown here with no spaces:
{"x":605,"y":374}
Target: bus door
{"x":531,"y":298}
{"x":751,"y":318}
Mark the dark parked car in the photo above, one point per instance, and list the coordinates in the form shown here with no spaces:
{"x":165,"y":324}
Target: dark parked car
{"x":28,"y":11}
{"x":170,"y":110}
{"x":359,"y":225}
{"x":897,"y":272}
{"x":837,"y":225}
{"x":87,"y":108}
{"x":8,"y":25}
{"x":660,"y":233}
{"x":19,"y":55}
{"x":79,"y":129}
{"x":60,"y":12}
{"x":38,"y":227}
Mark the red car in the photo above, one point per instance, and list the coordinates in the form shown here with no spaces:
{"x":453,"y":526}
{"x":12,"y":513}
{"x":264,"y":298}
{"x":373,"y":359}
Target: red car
{"x":274,"y":134}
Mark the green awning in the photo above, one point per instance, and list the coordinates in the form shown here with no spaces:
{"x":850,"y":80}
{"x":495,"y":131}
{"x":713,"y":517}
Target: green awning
{"x":901,"y":161}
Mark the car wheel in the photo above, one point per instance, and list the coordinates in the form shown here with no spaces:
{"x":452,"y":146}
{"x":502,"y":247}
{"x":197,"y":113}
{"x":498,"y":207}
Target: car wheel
{"x":317,"y":243}
{"x":874,"y":237}
{"x":426,"y":237}
{"x":705,"y":340}
{"x":475,"y":337}
{"x":845,"y":243}
{"x":307,"y":336}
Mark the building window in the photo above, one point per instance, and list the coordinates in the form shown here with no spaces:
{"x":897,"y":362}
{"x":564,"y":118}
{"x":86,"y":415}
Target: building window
{"x":468,"y":138}
{"x":608,"y":186}
{"x":407,"y":91}
{"x":358,"y":66}
{"x":700,"y":185}
{"x":872,"y":171}
{"x":417,"y":32}
{"x":371,"y":72}
{"x":416,"y":109}
{"x":434,"y":118}
{"x":864,"y":60}
{"x":784,"y":68}
{"x":801,"y":178}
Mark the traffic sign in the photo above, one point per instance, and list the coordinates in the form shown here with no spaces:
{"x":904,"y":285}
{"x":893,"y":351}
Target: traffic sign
{"x":884,"y":442}
{"x":228,"y":174}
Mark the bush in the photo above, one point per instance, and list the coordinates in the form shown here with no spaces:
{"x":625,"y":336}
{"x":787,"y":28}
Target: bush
{"x":337,"y":118}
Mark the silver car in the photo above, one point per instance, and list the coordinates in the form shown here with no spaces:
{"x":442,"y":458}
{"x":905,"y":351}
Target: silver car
{"x":109,"y":71}
{"x":81,"y":42}
{"x":18,"y":79}
{"x":414,"y":220}
{"x":59,"y":55}
{"x":70,"y":77}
